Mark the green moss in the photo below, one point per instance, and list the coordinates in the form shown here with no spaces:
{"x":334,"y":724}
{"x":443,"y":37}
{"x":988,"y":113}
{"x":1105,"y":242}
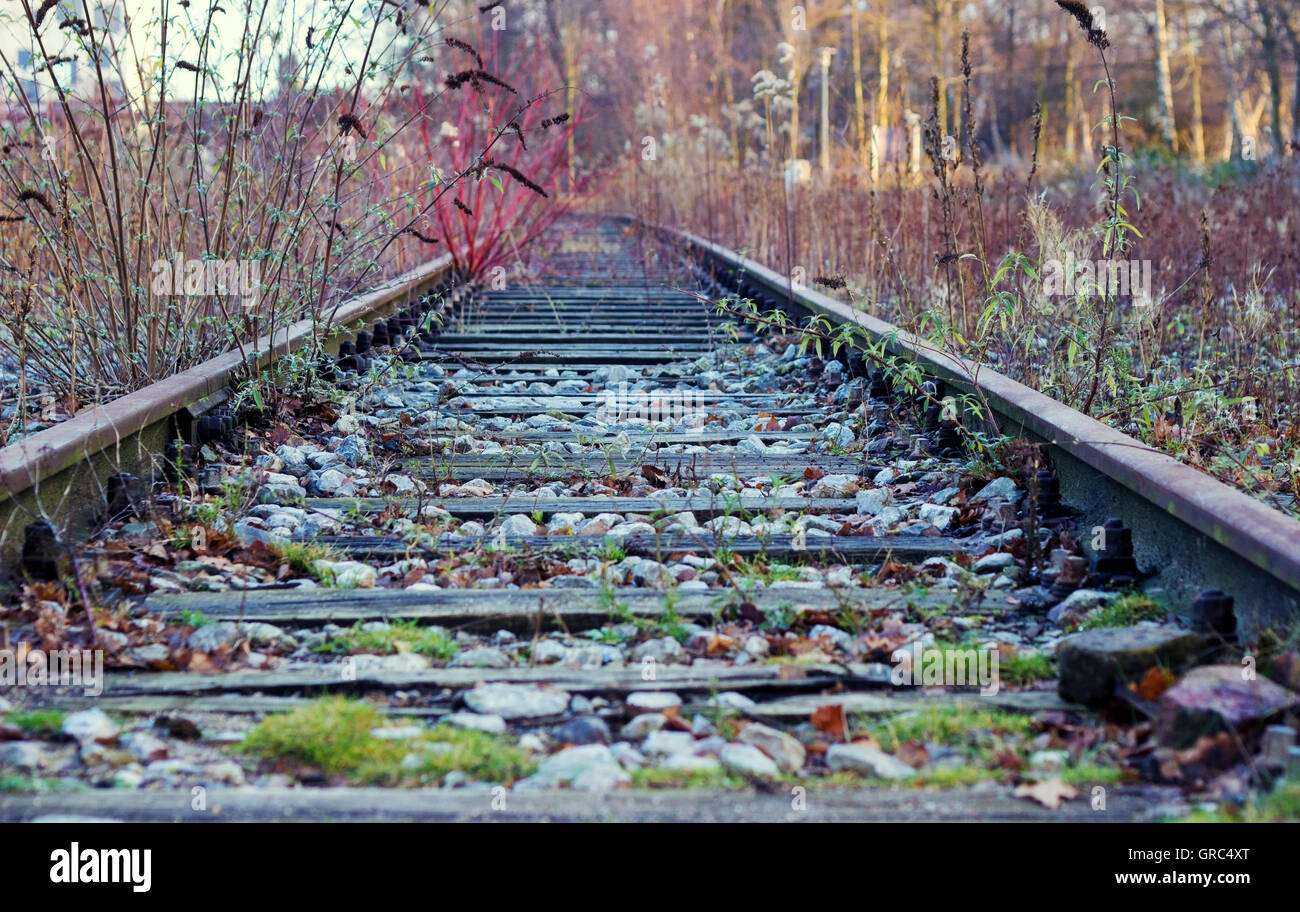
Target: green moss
{"x":42,"y":722}
{"x":1025,"y":669}
{"x":657,"y":778}
{"x":399,"y":636}
{"x":17,"y":784}
{"x":480,"y":756}
{"x":300,"y":556}
{"x":1090,"y":774}
{"x":958,"y":726}
{"x":193,"y":617}
{"x":1279,"y":806}
{"x":954,"y":776}
{"x":1125,"y":612}
{"x":334,"y":735}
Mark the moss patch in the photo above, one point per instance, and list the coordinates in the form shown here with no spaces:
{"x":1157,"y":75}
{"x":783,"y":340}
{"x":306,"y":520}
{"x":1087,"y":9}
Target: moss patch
{"x":1279,"y":806}
{"x":400,"y":636}
{"x":335,"y":735}
{"x":955,"y":726}
{"x":40,"y":722}
{"x":1025,"y":669}
{"x":1125,"y":612}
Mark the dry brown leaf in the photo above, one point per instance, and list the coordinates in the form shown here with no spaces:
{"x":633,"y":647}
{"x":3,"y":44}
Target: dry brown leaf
{"x":913,"y":753}
{"x":1155,"y":682}
{"x":830,"y":719}
{"x":1049,"y":793}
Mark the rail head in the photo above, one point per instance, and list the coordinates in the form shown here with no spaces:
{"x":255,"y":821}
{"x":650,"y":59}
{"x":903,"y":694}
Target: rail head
{"x":1253,"y":531}
{"x":29,"y":462}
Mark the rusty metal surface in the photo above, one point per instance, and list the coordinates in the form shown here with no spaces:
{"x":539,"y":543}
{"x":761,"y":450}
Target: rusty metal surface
{"x":1251,"y":530}
{"x":58,"y":472}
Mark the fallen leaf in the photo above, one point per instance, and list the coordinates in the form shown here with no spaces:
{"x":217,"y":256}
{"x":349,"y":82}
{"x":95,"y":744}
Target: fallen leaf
{"x":1155,"y":682}
{"x":830,"y":719}
{"x":1048,"y":793}
{"x":913,"y":753}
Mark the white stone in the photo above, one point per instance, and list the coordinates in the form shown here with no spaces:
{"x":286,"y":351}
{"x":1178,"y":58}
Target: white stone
{"x":748,"y":760}
{"x":991,"y":563}
{"x":872,"y":501}
{"x":784,"y":749}
{"x":89,"y":725}
{"x":517,"y":701}
{"x":1003,"y":488}
{"x":590,"y":767}
{"x":667,"y":743}
{"x":653,"y":701}
{"x":484,"y":722}
{"x":939,"y":517}
{"x":862,"y":758}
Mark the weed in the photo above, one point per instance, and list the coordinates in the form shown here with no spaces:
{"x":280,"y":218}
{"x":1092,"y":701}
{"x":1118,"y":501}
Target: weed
{"x":302,"y":556}
{"x":1282,"y":805}
{"x":193,"y":617}
{"x":660,"y":778}
{"x":1020,"y":668}
{"x":953,"y":726}
{"x":336,"y":736}
{"x":1125,"y":612}
{"x":397,"y":637}
{"x":38,"y":722}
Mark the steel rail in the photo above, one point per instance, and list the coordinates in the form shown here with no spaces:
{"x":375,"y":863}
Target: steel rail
{"x":1197,"y":531}
{"x":59,"y":473}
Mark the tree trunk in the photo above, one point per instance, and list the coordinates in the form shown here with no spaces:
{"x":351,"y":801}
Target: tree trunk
{"x":1269,"y":43}
{"x":1236,"y":134}
{"x":859,"y":101}
{"x":880,"y":121}
{"x":794,"y":101}
{"x":936,"y":42}
{"x":1070,"y":97}
{"x":1198,"y":104}
{"x":1293,"y":37}
{"x":1164,"y":80}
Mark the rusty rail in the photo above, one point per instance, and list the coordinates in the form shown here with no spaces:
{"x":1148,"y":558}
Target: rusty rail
{"x":1198,"y":531}
{"x":59,"y":473}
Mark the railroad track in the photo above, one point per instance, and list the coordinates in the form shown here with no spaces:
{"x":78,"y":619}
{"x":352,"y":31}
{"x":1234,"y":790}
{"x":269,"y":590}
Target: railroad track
{"x":561,"y":549}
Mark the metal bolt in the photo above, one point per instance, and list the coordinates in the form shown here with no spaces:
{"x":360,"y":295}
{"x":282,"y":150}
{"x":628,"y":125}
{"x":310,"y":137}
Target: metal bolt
{"x":209,"y":429}
{"x":124,"y":492}
{"x":40,"y":558}
{"x":857,"y":365}
{"x":1049,"y":494}
{"x":881,"y":385}
{"x":363,"y":342}
{"x":1213,"y":612}
{"x":1071,"y":577}
{"x":379,"y":334}
{"x":179,"y":459}
{"x":1115,"y":557}
{"x":348,"y":360}
{"x":947,"y":442}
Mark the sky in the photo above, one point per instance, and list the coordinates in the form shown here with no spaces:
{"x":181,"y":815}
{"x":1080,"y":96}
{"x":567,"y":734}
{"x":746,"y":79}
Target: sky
{"x":137,"y":25}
